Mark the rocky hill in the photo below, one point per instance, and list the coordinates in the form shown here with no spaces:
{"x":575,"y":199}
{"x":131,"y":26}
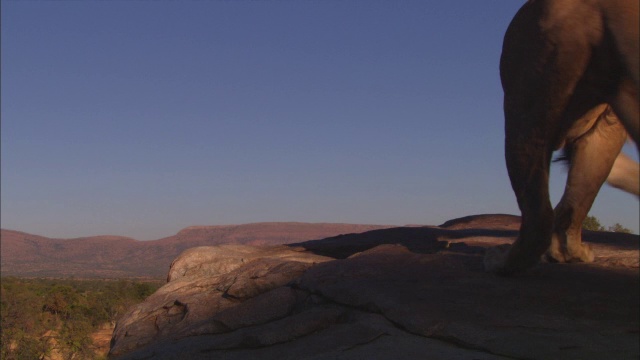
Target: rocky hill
{"x":396,"y":293}
{"x":121,"y":257}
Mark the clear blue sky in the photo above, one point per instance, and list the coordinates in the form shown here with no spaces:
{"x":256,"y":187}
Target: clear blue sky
{"x":139,"y":118}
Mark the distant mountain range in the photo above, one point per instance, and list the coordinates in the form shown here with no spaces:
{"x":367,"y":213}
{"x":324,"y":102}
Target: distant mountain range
{"x":27,"y":255}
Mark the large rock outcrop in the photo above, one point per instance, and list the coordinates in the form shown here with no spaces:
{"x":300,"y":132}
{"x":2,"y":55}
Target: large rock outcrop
{"x":401,"y":293}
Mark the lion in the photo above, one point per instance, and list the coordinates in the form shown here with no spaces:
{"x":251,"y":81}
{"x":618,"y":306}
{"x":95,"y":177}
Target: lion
{"x":570,"y":75}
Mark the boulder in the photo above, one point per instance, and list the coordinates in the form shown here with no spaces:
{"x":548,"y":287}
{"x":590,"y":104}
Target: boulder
{"x":205,"y":281}
{"x":401,"y":293}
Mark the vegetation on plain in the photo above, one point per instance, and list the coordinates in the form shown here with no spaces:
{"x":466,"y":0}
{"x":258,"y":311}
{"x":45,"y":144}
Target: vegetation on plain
{"x":40,"y":317}
{"x":593,"y":223}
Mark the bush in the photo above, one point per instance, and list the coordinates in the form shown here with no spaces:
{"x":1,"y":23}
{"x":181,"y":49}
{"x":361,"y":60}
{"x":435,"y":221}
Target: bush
{"x":592,"y":223}
{"x":70,"y":310}
{"x":619,"y":229}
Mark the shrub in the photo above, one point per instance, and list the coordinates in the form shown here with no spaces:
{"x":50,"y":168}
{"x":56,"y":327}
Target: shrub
{"x":592,"y":223}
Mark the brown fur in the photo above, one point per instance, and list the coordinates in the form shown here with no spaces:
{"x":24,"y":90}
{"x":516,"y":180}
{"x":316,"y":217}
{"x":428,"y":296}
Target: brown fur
{"x":568,"y":67}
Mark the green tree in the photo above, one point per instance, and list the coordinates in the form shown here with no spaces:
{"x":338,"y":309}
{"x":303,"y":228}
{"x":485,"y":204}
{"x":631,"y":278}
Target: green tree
{"x":28,"y":347}
{"x":75,"y":337}
{"x":22,"y":321}
{"x":592,"y":223}
{"x":619,"y":229}
{"x":60,"y":299}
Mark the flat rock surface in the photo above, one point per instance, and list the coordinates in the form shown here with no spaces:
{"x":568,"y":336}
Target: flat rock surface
{"x":400,"y":293}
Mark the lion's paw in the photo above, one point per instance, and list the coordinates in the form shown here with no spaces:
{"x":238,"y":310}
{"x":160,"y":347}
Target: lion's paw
{"x":580,"y":253}
{"x":556,"y":252}
{"x":555,"y":255}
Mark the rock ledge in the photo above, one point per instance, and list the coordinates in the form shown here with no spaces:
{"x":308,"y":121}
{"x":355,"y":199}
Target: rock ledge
{"x":400,"y":293}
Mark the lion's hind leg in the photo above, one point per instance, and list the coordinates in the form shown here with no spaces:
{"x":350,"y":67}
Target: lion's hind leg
{"x":528,"y":165}
{"x":592,"y":157}
{"x":543,"y":65}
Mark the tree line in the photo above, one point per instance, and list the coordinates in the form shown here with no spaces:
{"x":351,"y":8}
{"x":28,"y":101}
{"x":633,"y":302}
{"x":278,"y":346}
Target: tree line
{"x":38,"y":315}
{"x":593,"y":223}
